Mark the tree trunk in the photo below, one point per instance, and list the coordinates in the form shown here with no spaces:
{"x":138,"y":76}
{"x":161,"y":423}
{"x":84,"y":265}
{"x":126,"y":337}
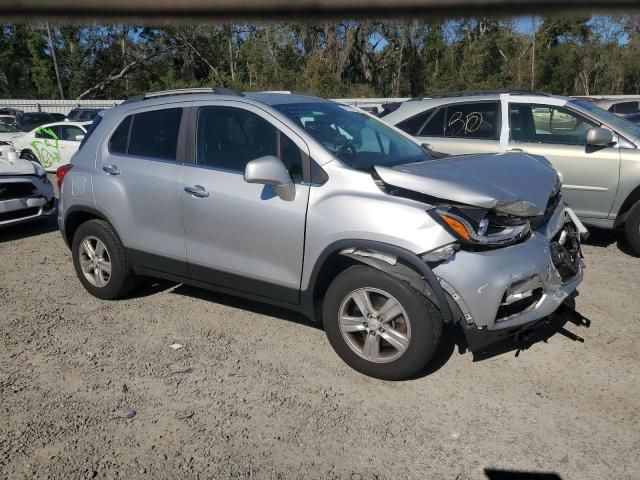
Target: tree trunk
{"x":55,"y":60}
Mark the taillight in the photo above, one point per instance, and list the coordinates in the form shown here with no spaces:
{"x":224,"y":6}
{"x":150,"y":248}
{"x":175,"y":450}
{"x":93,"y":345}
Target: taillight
{"x":61,"y":172}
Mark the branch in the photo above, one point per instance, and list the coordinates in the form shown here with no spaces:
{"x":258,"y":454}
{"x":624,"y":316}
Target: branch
{"x":213,"y":70}
{"x":122,"y":73}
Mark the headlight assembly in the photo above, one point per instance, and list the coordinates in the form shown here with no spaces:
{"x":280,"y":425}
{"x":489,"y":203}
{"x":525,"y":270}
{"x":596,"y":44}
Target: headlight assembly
{"x":477,"y":226}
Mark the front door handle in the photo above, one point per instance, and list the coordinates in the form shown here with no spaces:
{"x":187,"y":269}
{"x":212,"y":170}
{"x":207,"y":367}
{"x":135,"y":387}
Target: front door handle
{"x":515,"y":150}
{"x":197,"y":191}
{"x":111,"y":169}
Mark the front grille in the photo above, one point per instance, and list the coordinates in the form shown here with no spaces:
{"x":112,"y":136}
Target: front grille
{"x":10,"y":191}
{"x":18,"y":214}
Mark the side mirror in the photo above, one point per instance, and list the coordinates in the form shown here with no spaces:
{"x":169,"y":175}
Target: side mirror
{"x":79,"y":138}
{"x":269,"y":170}
{"x":600,"y":137}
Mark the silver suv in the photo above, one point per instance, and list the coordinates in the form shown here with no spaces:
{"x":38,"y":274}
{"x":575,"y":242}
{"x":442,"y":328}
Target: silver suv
{"x":596,"y":151}
{"x":324,"y":209}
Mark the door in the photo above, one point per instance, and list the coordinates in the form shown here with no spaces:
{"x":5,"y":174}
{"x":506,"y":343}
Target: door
{"x":241,"y":235}
{"x":46,"y":146}
{"x":137,"y":185}
{"x":590,"y":173}
{"x":68,"y":143}
{"x":462,"y":128}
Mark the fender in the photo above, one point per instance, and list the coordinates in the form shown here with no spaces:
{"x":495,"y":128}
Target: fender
{"x":410,"y":261}
{"x":78,"y":209}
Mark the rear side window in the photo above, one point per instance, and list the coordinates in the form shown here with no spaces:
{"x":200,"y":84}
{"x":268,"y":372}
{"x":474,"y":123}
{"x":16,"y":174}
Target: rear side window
{"x":120,"y":139}
{"x":149,"y":134}
{"x":70,"y":132}
{"x":90,"y":130}
{"x":435,"y":125}
{"x":155,"y":134}
{"x":472,"y":120}
{"x":412,"y":125}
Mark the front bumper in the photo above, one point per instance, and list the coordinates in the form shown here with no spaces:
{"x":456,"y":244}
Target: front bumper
{"x":516,"y":286}
{"x":33,"y":199}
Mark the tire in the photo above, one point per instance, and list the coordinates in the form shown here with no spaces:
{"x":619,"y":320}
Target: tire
{"x":30,"y":156}
{"x":121,"y":279}
{"x":632,"y":228}
{"x":421,"y":334}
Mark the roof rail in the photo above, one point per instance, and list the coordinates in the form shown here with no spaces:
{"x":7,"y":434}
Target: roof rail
{"x":470,"y":93}
{"x":185,"y":91}
{"x":291,"y":92}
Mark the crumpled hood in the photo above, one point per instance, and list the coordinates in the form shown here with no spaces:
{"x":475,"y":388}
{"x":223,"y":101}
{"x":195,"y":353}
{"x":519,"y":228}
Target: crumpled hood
{"x":521,"y":181}
{"x":19,"y":167}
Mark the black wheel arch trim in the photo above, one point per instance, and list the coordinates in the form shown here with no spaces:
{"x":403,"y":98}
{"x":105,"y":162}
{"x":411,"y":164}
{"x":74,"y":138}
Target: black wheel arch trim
{"x":80,"y":209}
{"x":409,"y":258}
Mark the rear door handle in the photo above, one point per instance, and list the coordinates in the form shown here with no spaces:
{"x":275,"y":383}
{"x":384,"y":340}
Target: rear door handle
{"x":516,"y":150}
{"x":111,"y":169}
{"x":197,"y":191}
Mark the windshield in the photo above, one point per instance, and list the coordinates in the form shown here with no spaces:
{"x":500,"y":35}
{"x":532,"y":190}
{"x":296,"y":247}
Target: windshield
{"x":620,"y":124}
{"x":4,"y":128}
{"x":357,"y":139}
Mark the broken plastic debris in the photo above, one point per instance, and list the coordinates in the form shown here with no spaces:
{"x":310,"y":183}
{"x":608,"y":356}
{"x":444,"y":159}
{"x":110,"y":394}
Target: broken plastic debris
{"x":184,"y":414}
{"x":176,"y":346}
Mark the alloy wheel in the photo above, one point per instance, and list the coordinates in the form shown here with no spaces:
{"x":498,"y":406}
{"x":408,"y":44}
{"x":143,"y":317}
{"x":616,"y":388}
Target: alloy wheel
{"x":375,"y":325}
{"x":95,"y":261}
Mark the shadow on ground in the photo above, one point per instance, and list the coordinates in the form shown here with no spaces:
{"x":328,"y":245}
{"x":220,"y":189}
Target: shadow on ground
{"x":599,"y":237}
{"x":493,"y":474}
{"x":29,"y":229}
{"x":452,"y":336}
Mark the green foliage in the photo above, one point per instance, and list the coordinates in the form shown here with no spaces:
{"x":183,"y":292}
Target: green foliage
{"x":567,"y":55}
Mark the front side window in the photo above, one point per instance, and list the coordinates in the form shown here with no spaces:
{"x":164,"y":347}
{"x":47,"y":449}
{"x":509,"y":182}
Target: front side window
{"x":479,"y":120}
{"x":547,"y":124}
{"x":48,"y":132}
{"x":151,"y":134}
{"x":228,"y":138}
{"x":357,"y":139}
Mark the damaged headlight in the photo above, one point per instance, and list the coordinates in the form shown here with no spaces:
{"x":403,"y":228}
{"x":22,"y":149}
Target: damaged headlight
{"x":479,"y":226}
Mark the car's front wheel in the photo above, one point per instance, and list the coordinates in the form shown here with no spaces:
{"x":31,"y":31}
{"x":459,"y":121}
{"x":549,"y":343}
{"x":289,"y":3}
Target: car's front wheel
{"x":100,"y":262}
{"x":380,"y":325}
{"x":632,"y":228}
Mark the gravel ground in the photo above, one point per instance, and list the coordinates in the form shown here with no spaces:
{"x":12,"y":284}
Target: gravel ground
{"x":250,"y":395}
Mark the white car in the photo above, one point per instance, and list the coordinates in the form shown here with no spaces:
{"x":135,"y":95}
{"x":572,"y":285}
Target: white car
{"x":51,"y":145}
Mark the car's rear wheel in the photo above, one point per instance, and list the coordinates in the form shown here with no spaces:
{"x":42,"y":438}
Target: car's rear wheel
{"x":100,"y":261}
{"x":632,"y":228}
{"x":380,"y":325}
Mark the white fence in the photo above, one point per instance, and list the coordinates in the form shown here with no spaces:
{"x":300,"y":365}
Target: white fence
{"x":64,"y":106}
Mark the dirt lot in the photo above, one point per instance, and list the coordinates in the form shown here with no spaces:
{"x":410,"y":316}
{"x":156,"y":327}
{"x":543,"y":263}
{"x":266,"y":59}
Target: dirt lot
{"x":250,"y":395}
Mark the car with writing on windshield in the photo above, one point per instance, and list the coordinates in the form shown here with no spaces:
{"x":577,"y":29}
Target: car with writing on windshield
{"x":323,"y":209}
{"x":596,"y":151}
{"x":50,"y":145}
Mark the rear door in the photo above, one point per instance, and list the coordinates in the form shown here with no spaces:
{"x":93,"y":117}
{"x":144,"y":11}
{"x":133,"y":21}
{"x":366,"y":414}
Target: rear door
{"x":137,"y":185}
{"x":241,"y":235}
{"x":461,"y":128}
{"x":68,"y":142}
{"x":559,"y":134}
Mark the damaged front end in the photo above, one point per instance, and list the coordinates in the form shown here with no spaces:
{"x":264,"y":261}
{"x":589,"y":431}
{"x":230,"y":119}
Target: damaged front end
{"x":26,"y":193}
{"x":516,"y":256}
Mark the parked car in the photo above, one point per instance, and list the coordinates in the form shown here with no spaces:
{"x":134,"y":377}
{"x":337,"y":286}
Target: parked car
{"x":26,"y":194}
{"x":321,"y":208}
{"x":633,"y":117}
{"x":83,"y":114}
{"x":29,"y":120}
{"x":595,"y":151}
{"x":7,"y":119}
{"x":619,"y":106}
{"x":51,"y":145}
